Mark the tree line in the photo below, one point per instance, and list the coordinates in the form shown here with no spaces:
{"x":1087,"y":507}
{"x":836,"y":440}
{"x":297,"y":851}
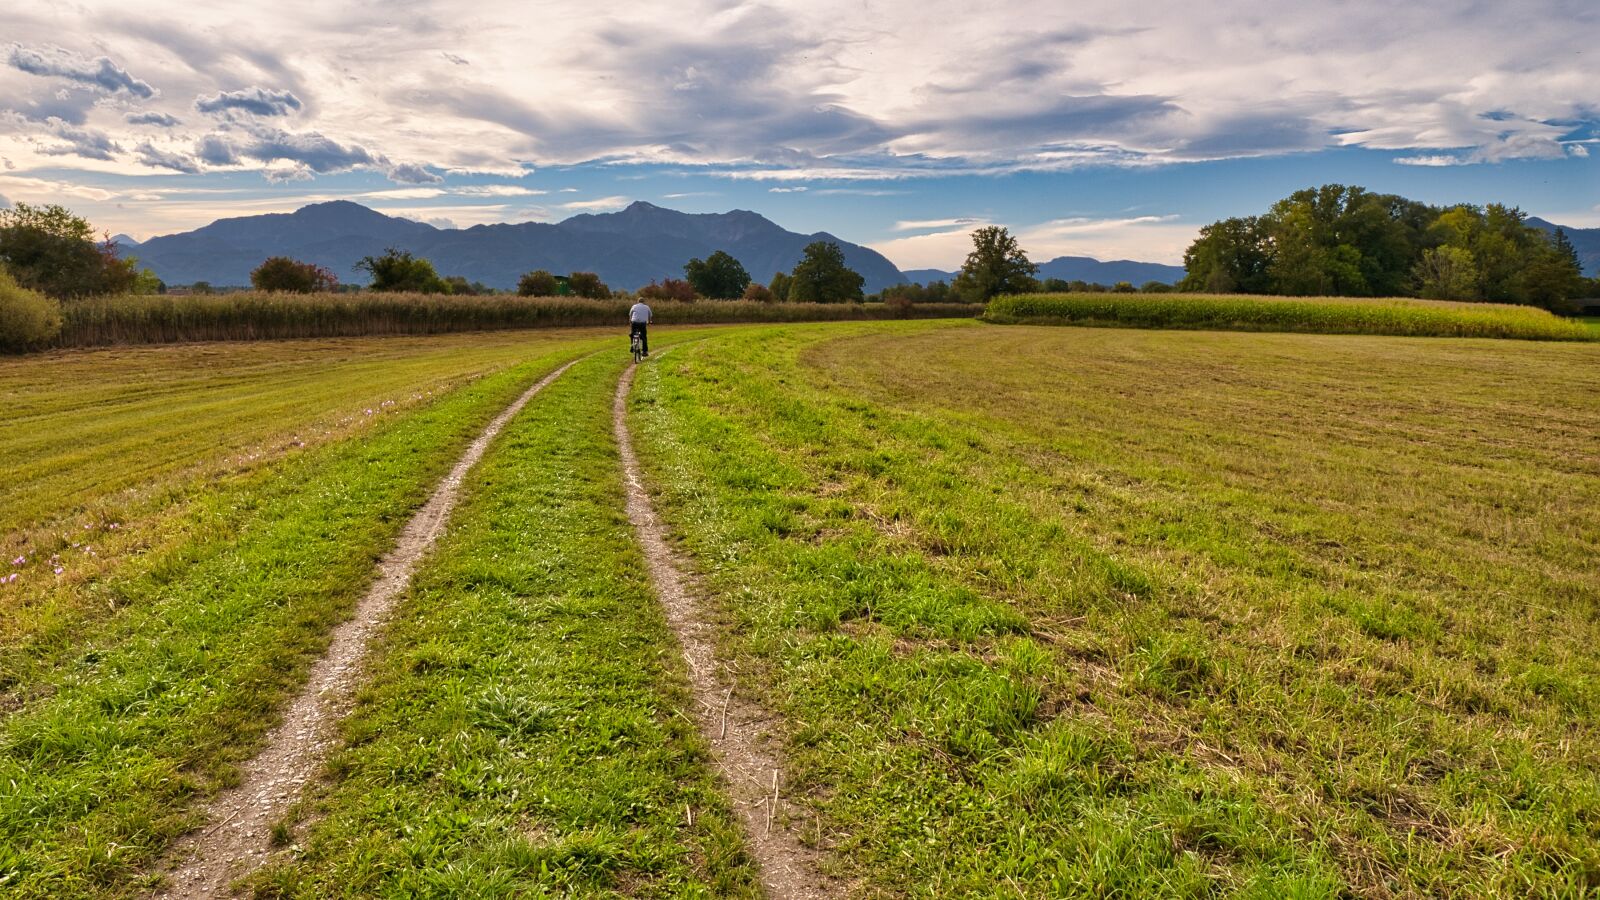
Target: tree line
{"x":1340,"y":240}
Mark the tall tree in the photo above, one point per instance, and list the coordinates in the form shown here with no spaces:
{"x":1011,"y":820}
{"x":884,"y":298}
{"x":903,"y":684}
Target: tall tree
{"x":1229,"y":256}
{"x":718,"y":276}
{"x":822,"y":276}
{"x":996,"y":265}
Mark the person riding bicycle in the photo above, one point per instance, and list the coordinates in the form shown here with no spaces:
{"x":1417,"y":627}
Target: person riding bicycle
{"x":639,"y":317}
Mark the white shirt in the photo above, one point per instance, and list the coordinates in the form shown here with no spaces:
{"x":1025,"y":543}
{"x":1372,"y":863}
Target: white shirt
{"x":639,"y":313}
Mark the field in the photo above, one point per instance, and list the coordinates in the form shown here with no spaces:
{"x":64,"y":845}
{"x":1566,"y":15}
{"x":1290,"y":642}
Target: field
{"x":1036,"y":612}
{"x":1320,"y":315}
{"x":148,"y":319}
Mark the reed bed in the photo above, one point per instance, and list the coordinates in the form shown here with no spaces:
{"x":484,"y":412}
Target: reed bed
{"x":156,"y":319}
{"x":1324,"y":315}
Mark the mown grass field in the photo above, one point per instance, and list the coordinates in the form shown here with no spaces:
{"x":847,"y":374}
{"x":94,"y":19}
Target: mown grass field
{"x":137,"y":676}
{"x":1042,"y":612}
{"x":139,"y":453}
{"x":1092,"y":612}
{"x":1316,"y":315}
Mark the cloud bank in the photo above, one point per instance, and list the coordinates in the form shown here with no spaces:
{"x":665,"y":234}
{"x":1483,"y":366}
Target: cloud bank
{"x":826,"y":89}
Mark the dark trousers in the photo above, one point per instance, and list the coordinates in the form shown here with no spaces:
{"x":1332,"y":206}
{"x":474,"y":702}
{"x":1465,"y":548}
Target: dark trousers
{"x":643,"y":331}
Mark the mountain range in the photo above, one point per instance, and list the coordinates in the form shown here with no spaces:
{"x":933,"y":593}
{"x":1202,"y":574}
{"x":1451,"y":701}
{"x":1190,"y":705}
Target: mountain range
{"x":1079,"y":268}
{"x":627,"y":249}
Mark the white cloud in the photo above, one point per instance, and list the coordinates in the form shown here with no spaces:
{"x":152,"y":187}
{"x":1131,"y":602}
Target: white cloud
{"x":934,"y":224}
{"x":792,"y":92}
{"x":788,"y":190}
{"x":1433,"y":161}
{"x":495,"y":190}
{"x":601,"y":204}
{"x":1144,"y":238}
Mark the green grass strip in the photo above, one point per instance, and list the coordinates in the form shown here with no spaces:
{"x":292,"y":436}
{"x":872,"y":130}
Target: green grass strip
{"x":108,"y":763}
{"x":1325,"y":315}
{"x":524,"y":733}
{"x":1018,"y":655}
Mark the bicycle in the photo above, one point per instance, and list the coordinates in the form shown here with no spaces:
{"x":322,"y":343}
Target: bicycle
{"x":638,"y":347}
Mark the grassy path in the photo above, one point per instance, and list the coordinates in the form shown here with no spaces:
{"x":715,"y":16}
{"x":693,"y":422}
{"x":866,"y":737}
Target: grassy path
{"x":237,"y":832}
{"x":739,"y":732}
{"x":525,"y":729}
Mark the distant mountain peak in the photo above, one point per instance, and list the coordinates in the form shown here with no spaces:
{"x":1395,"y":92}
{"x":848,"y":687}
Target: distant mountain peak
{"x":627,"y":248}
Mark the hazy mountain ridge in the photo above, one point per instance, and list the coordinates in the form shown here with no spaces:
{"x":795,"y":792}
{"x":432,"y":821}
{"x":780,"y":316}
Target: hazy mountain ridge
{"x":1080,"y":268}
{"x":628,"y":249}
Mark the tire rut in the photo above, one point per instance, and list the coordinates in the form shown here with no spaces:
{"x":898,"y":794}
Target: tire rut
{"x":236,"y":842}
{"x":735,"y":728}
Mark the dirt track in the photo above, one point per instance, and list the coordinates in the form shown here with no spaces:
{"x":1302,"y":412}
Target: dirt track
{"x":735,"y":728}
{"x":236,"y":841}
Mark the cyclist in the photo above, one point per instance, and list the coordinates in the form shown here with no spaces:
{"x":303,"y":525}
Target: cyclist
{"x":639,"y":317}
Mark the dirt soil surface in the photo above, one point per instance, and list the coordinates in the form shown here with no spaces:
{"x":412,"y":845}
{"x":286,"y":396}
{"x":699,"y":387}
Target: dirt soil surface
{"x":739,"y":731}
{"x":237,"y":840}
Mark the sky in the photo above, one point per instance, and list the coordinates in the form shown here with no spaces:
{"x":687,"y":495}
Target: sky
{"x":1105,"y":128}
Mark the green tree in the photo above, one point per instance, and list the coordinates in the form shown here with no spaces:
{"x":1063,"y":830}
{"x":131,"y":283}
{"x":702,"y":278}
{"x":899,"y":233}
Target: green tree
{"x":400,"y":271}
{"x":1447,"y":273}
{"x":49,"y":249}
{"x":779,"y":285}
{"x":996,"y":265}
{"x":280,"y":273}
{"x":537,"y":283}
{"x":822,"y":276}
{"x":718,"y":276}
{"x":588,"y":284}
{"x":1230,"y":256}
{"x":1552,"y":278}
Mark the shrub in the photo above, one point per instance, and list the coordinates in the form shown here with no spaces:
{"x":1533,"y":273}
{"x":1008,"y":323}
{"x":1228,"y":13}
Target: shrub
{"x":461,"y":287}
{"x":669,"y":289}
{"x":400,"y":271}
{"x":537,"y":283}
{"x":756,"y":292}
{"x":49,"y":249}
{"x":280,"y":273}
{"x":28,"y":319}
{"x":588,"y":285}
{"x":780,"y":286}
